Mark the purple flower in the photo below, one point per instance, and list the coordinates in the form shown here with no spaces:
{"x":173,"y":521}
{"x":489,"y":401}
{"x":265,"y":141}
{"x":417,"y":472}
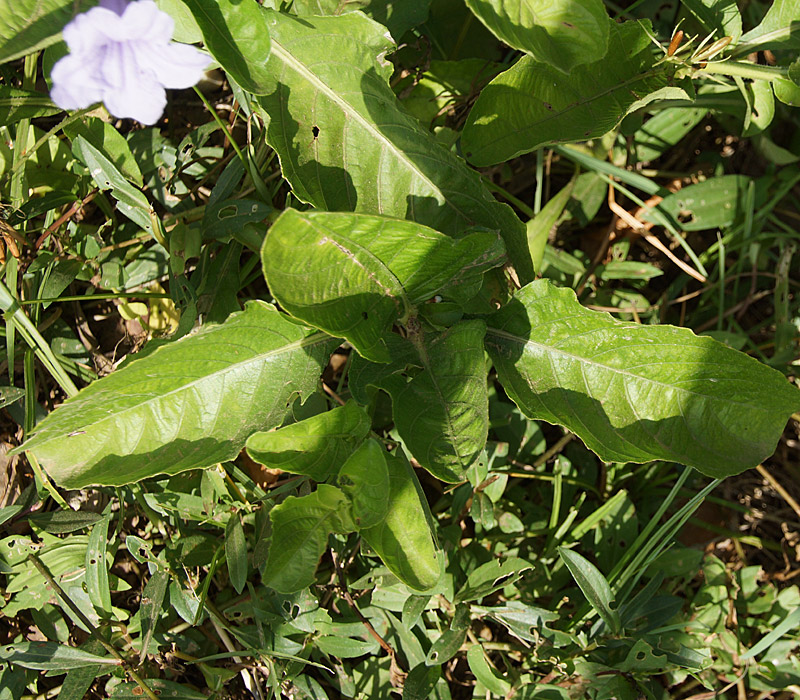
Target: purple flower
{"x":122,"y":54}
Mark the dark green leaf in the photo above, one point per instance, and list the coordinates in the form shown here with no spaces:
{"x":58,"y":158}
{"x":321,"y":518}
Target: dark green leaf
{"x":63,"y":521}
{"x":344,"y":647}
{"x":223,"y":220}
{"x":16,"y":104}
{"x":491,"y":576}
{"x":421,"y":681}
{"x":167,"y":690}
{"x":151,"y":606}
{"x":635,"y":393}
{"x":316,"y":446}
{"x":106,"y":139}
{"x":236,"y":552}
{"x":190,"y":403}
{"x":594,"y":586}
{"x":97,"y":567}
{"x":236,"y":33}
{"x":486,"y":675}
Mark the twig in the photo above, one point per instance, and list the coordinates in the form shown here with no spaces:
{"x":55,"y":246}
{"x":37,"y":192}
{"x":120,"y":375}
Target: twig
{"x":53,"y":584}
{"x":76,"y":205}
{"x":794,"y":505}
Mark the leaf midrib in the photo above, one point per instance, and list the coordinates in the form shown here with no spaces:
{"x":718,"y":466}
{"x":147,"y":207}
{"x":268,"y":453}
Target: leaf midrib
{"x":259,"y":357}
{"x":551,"y":350}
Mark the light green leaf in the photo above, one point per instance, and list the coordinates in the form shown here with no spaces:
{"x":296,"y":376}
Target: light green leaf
{"x":186,"y":29}
{"x":364,"y":478}
{"x":16,"y":104}
{"x":300,"y":529}
{"x":446,"y":437}
{"x":490,"y":577}
{"x":345,"y":144}
{"x":533,"y":104}
{"x":237,"y":35}
{"x":188,"y":404}
{"x":539,"y":227}
{"x":151,"y":606}
{"x":97,"y":567}
{"x":10,"y":394}
{"x":316,"y":446}
{"x":562,"y":33}
{"x":714,"y":203}
{"x":236,"y":553}
{"x":130,"y":200}
{"x":594,"y":586}
{"x":51,"y":656}
{"x":485,"y":674}
{"x":636,"y":393}
{"x":106,"y":139}
{"x":404,"y":540}
{"x":780,"y":29}
{"x":787,"y":92}
{"x":354,"y":275}
{"x":29,"y":25}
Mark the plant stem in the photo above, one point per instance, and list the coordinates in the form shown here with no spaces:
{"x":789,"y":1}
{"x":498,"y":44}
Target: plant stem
{"x":744,"y":69}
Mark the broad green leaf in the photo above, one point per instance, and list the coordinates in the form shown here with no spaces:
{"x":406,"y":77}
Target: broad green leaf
{"x":51,"y":656}
{"x":29,"y":25}
{"x":490,"y":577}
{"x":300,"y":529}
{"x":594,"y":586}
{"x":106,"y":139}
{"x":188,"y":404}
{"x":364,"y":478}
{"x":10,"y":394}
{"x":446,"y":646}
{"x":345,"y":143}
{"x":714,"y":203}
{"x":224,"y":219}
{"x":316,"y":446}
{"x":78,"y":681}
{"x":403,"y":540}
{"x":354,"y":275}
{"x":237,"y":35}
{"x":420,"y":681}
{"x":533,"y":104}
{"x":787,"y":92}
{"x":236,"y":553}
{"x":186,"y":29}
{"x":780,"y":29}
{"x":561,"y":33}
{"x":636,"y":393}
{"x":398,"y":16}
{"x":485,"y":674}
{"x":16,"y":104}
{"x":130,"y":200}
{"x":151,"y":606}
{"x":446,"y":437}
{"x":97,"y":567}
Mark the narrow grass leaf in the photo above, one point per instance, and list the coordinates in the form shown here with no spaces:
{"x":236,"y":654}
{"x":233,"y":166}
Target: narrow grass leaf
{"x":51,"y":656}
{"x":97,"y":567}
{"x":593,"y":584}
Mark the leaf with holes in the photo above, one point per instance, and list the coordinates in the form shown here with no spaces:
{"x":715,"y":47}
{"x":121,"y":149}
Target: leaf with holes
{"x":490,"y":577}
{"x":533,"y":104}
{"x":345,"y":144}
{"x":188,"y":404}
{"x":562,"y":33}
{"x":635,"y":393}
{"x":354,"y":275}
{"x":594,"y":586}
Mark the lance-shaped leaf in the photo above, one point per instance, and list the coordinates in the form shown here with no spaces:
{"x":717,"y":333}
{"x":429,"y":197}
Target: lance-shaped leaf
{"x":563,"y":33}
{"x":300,"y":529}
{"x":780,"y":29}
{"x":188,"y":404}
{"x":364,"y":477}
{"x":636,"y":393}
{"x":533,"y":104}
{"x":346,"y":144}
{"x":448,"y":435}
{"x":404,"y":539}
{"x":237,"y":34}
{"x":316,"y":446}
{"x":354,"y":275}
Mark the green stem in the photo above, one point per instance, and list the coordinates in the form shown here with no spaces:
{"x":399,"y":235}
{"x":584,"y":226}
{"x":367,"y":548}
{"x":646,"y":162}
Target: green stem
{"x":15,"y":315}
{"x":745,"y":69}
